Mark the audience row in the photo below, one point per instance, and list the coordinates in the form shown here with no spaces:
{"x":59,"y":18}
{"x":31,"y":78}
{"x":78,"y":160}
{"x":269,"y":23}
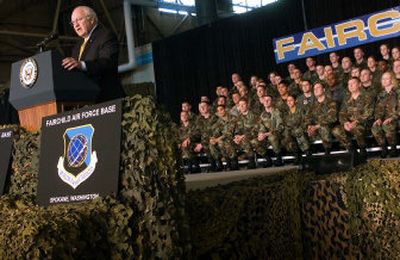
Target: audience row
{"x":342,"y":100}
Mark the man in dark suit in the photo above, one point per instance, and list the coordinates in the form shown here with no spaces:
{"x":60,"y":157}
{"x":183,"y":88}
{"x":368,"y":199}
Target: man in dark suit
{"x":97,"y":53}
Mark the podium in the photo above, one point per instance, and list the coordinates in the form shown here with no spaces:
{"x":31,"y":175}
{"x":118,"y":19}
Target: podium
{"x":41,"y":87}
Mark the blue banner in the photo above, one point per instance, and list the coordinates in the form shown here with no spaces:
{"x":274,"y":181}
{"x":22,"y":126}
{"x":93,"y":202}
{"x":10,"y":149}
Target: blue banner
{"x":361,"y":30}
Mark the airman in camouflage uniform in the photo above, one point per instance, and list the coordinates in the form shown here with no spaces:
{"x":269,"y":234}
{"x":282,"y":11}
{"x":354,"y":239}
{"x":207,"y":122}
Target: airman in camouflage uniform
{"x":336,"y":65}
{"x":245,"y":132}
{"x":305,"y":100}
{"x":221,"y":144}
{"x":290,"y":67}
{"x":234,"y":111}
{"x":187,"y":135}
{"x":370,"y":88}
{"x":384,"y":49}
{"x":310,"y":74}
{"x":375,"y":71}
{"x":204,"y":124}
{"x":335,"y":90}
{"x":270,"y":129}
{"x":294,"y":87}
{"x":295,"y":134}
{"x":346,"y":71}
{"x":257,"y":106}
{"x":321,"y":118}
{"x":354,"y":117}
{"x":186,"y":106}
{"x":271,"y":88}
{"x":280,"y":102}
{"x":359,"y":57}
{"x":386,"y":115}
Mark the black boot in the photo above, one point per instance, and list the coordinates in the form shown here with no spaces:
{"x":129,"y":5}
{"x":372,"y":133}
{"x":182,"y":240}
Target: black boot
{"x":384,"y":151}
{"x":234,"y":164}
{"x":308,"y":153}
{"x":268,"y":161}
{"x":228,"y":164}
{"x":298,"y":158}
{"x":252,"y":162}
{"x":186,"y":165}
{"x":393,"y":151}
{"x":218,"y":165}
{"x":278,"y":161}
{"x":363,"y":154}
{"x":195,"y":165}
{"x":213,"y":165}
{"x":327,"y":150}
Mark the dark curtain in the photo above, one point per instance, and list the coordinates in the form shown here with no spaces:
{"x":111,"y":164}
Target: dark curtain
{"x":193,"y":63}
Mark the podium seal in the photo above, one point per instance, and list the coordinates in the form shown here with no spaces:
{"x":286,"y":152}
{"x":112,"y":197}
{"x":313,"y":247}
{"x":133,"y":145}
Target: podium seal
{"x":28,"y":73}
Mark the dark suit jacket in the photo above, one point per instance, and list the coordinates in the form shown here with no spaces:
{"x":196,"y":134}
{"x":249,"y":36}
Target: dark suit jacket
{"x":101,"y":58}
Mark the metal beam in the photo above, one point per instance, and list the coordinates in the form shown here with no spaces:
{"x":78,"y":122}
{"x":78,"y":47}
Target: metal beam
{"x":35,"y":35}
{"x":176,"y":28}
{"x":22,"y":49}
{"x":55,"y":21}
{"x":160,"y":4}
{"x":155,"y":26}
{"x":108,"y":17}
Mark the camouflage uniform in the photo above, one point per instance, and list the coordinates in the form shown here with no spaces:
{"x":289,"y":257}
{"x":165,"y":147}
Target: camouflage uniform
{"x":311,"y":76}
{"x":234,"y":111}
{"x":271,"y":90}
{"x":344,"y":78}
{"x":246,"y":125}
{"x":324,"y":114}
{"x":294,"y":89}
{"x":338,"y":72}
{"x":281,"y":105}
{"x":376,"y":77}
{"x":223,"y":129}
{"x":372,"y":91}
{"x":359,"y":110}
{"x":192,"y":117}
{"x":229,"y":102}
{"x":337,"y":93}
{"x":204,"y":128}
{"x":295,"y":133}
{"x":304,"y":103}
{"x":185,"y":132}
{"x":387,"y":106}
{"x":269,"y":122}
{"x":257,"y":107}
{"x":362,"y":65}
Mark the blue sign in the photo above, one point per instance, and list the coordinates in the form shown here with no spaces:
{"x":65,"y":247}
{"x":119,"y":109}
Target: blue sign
{"x":361,"y":30}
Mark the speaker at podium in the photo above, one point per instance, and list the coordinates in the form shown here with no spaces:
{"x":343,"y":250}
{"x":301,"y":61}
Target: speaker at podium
{"x":40,"y":87}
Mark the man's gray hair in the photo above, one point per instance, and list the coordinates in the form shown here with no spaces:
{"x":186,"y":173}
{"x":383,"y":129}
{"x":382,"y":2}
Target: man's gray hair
{"x":88,"y":11}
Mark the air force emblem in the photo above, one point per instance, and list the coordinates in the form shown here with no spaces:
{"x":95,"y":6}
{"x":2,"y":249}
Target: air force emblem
{"x":79,"y":161}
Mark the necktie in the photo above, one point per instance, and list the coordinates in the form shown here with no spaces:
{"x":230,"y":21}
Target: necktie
{"x":82,"y":49}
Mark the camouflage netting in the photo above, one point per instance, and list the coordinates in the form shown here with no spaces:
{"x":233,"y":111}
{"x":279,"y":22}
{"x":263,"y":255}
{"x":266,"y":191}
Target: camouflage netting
{"x":355,"y":214}
{"x":253,"y":219}
{"x":146,"y":220}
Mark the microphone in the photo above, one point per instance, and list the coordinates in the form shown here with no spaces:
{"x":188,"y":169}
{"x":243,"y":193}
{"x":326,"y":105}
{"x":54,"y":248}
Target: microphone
{"x":41,"y":45}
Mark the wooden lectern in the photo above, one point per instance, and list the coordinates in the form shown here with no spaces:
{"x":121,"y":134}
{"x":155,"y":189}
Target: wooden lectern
{"x":41,"y":87}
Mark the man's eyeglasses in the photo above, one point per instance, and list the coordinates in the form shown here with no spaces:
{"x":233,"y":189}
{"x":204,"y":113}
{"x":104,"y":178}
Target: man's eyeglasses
{"x":72,"y":23}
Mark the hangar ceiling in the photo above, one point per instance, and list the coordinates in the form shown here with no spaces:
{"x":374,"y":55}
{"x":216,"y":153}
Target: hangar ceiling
{"x":25,"y":23}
